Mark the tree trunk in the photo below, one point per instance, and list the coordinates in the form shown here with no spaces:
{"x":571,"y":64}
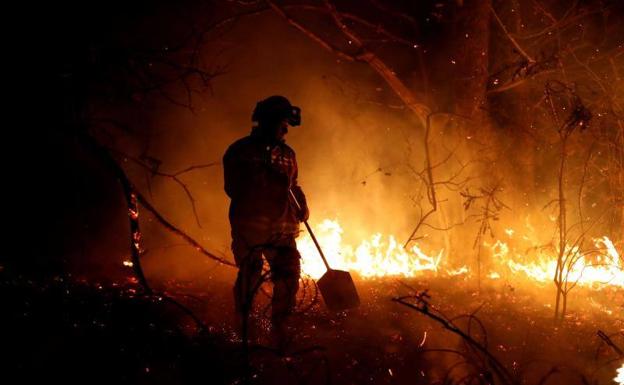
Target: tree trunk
{"x":562,"y":230}
{"x":472,"y":38}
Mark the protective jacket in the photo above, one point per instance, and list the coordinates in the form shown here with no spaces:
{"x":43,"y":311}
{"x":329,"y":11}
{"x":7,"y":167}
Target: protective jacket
{"x":258,"y":171}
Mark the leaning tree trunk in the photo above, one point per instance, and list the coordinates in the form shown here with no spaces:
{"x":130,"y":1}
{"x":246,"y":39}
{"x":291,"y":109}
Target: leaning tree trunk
{"x":472,"y":39}
{"x":471,"y":36}
{"x":130,"y":196}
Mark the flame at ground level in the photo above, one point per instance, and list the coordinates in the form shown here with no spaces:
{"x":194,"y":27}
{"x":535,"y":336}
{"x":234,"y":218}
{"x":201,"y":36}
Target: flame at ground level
{"x":620,"y":376}
{"x":374,"y":257}
{"x":380,"y":255}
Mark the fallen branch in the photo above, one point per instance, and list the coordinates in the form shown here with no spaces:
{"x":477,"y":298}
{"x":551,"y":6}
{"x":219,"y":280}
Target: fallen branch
{"x":607,"y":340}
{"x":148,"y":206}
{"x":422,"y":306}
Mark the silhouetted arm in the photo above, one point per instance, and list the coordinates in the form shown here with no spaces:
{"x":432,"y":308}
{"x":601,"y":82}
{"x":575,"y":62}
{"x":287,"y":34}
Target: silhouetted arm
{"x":304,"y":214}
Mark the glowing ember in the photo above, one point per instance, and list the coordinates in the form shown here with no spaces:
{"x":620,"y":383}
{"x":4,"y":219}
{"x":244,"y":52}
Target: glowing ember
{"x":620,"y":376}
{"x":381,"y":255}
{"x":128,"y":263}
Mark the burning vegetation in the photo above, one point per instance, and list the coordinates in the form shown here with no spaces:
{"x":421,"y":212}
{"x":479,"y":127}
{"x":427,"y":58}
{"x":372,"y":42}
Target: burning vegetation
{"x":462,"y":160}
{"x":381,"y":256}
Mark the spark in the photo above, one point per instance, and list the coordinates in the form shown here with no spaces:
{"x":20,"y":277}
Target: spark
{"x":422,"y":343}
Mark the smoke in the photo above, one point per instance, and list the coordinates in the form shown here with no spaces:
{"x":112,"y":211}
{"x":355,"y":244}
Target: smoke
{"x":360,"y":153}
{"x":352,"y":149}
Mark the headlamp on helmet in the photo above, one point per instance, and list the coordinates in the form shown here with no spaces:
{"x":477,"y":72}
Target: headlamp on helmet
{"x":274,"y":109}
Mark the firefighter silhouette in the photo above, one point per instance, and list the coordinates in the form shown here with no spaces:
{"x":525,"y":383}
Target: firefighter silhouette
{"x":259,"y":171}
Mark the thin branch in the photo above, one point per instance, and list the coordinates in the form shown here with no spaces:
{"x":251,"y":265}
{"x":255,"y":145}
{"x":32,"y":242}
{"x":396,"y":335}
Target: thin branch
{"x":309,"y":33}
{"x":422,"y":307}
{"x":427,"y":176}
{"x":378,"y":28}
{"x":145,"y":203}
{"x":154,"y":171}
{"x":131,"y":200}
{"x":364,"y":55}
{"x":402,"y":15}
{"x":511,"y":39}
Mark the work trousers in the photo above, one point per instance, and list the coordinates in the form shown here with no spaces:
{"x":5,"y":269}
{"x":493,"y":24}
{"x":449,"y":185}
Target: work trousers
{"x":280,"y":251}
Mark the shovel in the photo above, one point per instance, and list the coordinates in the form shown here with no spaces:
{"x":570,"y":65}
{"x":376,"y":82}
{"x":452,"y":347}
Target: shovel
{"x":336,"y":286}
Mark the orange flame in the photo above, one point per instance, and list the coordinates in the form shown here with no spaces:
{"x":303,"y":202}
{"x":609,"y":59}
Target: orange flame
{"x":607,"y":269}
{"x":374,"y":257}
{"x":381,"y":255}
{"x":620,"y":376}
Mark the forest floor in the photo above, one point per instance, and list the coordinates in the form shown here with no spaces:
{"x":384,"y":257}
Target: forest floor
{"x":85,"y":332}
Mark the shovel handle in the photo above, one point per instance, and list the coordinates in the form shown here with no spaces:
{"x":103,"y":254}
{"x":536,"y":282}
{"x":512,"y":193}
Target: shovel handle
{"x":318,"y":247}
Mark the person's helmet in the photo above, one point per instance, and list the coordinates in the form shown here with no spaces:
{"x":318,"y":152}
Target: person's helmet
{"x":275,"y":108}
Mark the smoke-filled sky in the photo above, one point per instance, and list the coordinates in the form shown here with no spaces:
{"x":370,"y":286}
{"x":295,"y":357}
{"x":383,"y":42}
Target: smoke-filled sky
{"x":357,"y":148}
{"x":351,"y":128}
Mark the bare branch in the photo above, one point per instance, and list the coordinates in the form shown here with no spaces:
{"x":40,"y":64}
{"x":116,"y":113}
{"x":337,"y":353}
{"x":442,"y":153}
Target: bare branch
{"x":511,"y":39}
{"x":309,"y":33}
{"x":145,"y":203}
{"x":155,"y":172}
{"x":364,"y":55}
{"x":423,"y":306}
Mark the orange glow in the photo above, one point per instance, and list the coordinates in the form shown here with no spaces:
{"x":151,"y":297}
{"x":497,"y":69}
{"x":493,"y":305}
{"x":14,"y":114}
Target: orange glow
{"x":603,"y":269}
{"x":620,"y":376}
{"x":376,"y":256}
{"x":381,"y":255}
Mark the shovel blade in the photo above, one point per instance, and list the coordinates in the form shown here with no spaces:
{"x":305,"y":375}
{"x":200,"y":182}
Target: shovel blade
{"x":338,"y":290}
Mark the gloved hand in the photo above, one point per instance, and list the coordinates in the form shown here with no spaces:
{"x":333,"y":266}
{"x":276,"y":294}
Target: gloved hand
{"x":303,"y":214}
{"x":301,"y":205}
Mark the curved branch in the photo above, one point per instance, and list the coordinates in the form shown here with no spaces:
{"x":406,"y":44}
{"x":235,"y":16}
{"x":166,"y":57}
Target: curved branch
{"x":154,"y":171}
{"x":400,"y":89}
{"x":131,"y":200}
{"x":309,"y":33}
{"x":511,"y":39}
{"x":145,"y":203}
{"x":498,"y":368}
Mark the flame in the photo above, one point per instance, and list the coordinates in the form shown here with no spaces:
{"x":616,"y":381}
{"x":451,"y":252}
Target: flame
{"x":381,"y":255}
{"x":374,"y":257}
{"x":493,"y":275}
{"x":620,"y":376}
{"x":606,"y":270}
